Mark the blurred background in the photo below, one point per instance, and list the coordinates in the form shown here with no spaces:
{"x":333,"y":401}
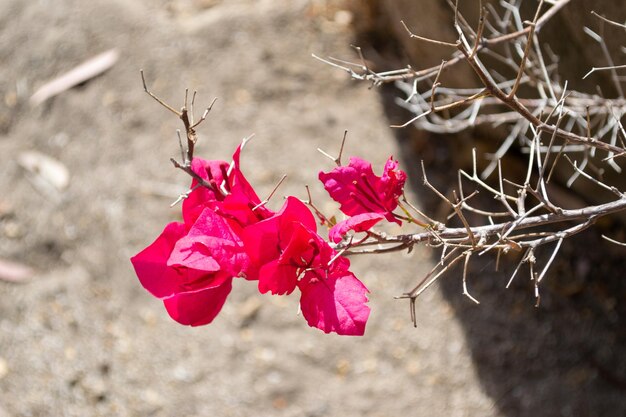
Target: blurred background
{"x":85,"y":183}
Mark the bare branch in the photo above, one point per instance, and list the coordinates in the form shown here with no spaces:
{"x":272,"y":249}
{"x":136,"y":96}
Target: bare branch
{"x":611,"y":22}
{"x":436,"y":42}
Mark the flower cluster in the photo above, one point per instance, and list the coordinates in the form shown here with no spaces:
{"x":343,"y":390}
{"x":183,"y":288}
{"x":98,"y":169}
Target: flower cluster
{"x":363,"y":195}
{"x":228,"y":233}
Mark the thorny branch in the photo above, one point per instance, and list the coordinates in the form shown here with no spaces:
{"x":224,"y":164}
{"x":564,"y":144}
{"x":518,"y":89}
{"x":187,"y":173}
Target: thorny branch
{"x":186,"y":115}
{"x":556,"y":127}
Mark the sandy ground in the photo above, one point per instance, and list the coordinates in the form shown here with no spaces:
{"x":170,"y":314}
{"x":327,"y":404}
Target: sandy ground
{"x":83,"y":338}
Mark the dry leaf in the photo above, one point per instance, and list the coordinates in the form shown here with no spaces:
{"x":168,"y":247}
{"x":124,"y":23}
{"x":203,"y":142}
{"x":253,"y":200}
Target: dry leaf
{"x":46,"y":169}
{"x":85,"y":71}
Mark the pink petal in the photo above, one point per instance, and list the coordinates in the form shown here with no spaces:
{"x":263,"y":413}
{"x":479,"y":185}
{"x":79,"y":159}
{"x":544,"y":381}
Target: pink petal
{"x":211,"y":224}
{"x":279,"y":244}
{"x":198,"y":308}
{"x":346,"y":185}
{"x":320,"y":254}
{"x":358,"y":223}
{"x":392,"y":182}
{"x":261,"y":240}
{"x":335,"y":304}
{"x":189,"y":255}
{"x":280,"y":276}
{"x":237,"y":179}
{"x":211,"y":246}
{"x":242,"y":191}
{"x":359,"y":190}
{"x":265,"y":240}
{"x":301,"y":247}
{"x":241,"y":210}
{"x":295,"y":211}
{"x":151,"y":263}
{"x":276,"y":278}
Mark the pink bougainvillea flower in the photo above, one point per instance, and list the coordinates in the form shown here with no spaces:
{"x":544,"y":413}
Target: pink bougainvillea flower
{"x":332,"y":298}
{"x":192,"y":270}
{"x":278,"y":246}
{"x":192,"y":307}
{"x":359,"y":190}
{"x":335,"y":302}
{"x":359,"y":223}
{"x":291,"y":254}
